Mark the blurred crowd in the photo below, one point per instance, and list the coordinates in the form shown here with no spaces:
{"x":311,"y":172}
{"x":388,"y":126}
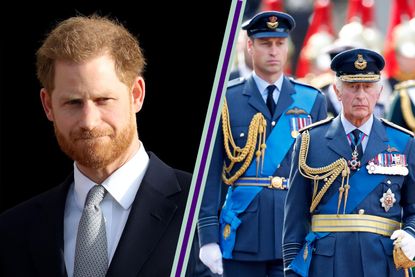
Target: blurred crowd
{"x":327,"y":27}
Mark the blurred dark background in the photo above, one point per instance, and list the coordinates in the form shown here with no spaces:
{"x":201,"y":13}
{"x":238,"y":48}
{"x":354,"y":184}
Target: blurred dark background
{"x":179,"y":78}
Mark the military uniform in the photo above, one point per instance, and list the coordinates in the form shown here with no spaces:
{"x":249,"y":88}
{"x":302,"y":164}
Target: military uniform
{"x":255,"y":147}
{"x":402,"y":108}
{"x":341,"y":211}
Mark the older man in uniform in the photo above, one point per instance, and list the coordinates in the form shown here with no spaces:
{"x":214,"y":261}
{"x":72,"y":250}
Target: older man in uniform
{"x":260,"y":121}
{"x":352,"y":193}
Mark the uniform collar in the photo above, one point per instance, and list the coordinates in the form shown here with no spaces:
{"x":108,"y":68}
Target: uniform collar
{"x":349,"y":127}
{"x":262,"y":84}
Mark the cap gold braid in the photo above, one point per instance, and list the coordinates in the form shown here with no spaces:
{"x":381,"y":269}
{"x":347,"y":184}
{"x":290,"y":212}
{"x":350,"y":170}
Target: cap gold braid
{"x":256,"y":136}
{"x":360,"y":77}
{"x":327,"y":173}
{"x":407,"y":109}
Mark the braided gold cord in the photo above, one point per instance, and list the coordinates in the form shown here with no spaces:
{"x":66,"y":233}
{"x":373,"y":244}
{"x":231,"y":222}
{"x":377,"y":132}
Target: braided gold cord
{"x":327,"y":173}
{"x":407,"y":109}
{"x":256,"y":136}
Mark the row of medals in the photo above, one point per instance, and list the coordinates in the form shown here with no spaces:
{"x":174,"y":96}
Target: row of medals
{"x":393,"y":164}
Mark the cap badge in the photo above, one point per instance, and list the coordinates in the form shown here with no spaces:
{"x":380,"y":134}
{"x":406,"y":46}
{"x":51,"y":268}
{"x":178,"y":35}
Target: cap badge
{"x":360,"y":63}
{"x":272,"y":23}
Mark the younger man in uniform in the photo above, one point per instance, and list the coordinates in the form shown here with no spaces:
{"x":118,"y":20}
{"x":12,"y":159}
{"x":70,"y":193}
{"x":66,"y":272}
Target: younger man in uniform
{"x":260,"y":121}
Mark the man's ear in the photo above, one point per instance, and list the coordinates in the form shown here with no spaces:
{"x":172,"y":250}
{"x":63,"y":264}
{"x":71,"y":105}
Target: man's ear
{"x":138,"y":93}
{"x":337,"y":91}
{"x":380,"y":91}
{"x":46,"y":99}
{"x":249,"y":45}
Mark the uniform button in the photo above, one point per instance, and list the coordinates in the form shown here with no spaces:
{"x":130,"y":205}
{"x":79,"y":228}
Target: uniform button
{"x":241,"y":135}
{"x":361,"y":211}
{"x":388,"y":182}
{"x":273,"y":123}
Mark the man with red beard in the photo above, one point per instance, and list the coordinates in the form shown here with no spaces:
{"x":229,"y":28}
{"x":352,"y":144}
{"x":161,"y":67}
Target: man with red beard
{"x":119,"y":213}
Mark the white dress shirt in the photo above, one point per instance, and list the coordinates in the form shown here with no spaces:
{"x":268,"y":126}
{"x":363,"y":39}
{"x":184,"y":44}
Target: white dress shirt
{"x":365,"y":128}
{"x":121,"y":187}
{"x":262,"y":87}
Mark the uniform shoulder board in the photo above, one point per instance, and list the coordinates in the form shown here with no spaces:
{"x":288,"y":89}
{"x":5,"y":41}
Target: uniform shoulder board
{"x":235,"y":82}
{"x":393,"y":125}
{"x":303,"y":84}
{"x":318,"y":123}
{"x":405,"y":85}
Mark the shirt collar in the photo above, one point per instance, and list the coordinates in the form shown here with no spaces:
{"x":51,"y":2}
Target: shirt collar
{"x":349,"y":127}
{"x":122,"y":184}
{"x":262,"y":84}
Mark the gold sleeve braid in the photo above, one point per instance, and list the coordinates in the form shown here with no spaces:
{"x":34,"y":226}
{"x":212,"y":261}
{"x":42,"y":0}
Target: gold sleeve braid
{"x":236,"y":154}
{"x":407,"y":109}
{"x":327,"y":173}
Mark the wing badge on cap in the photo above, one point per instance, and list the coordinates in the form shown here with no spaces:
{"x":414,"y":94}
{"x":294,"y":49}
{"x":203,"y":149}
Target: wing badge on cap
{"x":272,"y":23}
{"x":360,"y":63}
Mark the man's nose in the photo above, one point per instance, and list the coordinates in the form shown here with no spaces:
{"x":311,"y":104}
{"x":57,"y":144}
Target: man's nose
{"x":90,"y":116}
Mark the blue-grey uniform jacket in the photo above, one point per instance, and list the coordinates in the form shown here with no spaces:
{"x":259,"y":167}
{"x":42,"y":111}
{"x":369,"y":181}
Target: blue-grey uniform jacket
{"x":258,"y":237}
{"x":345,"y":254}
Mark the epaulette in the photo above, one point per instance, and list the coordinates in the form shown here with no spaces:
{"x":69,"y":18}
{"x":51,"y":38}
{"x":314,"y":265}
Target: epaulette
{"x":393,"y":125}
{"x":303,"y":84}
{"x":236,"y":81}
{"x":318,"y":123}
{"x":404,"y":85}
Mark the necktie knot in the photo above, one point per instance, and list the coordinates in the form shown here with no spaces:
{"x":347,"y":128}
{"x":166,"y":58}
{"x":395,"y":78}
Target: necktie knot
{"x":271,"y":89}
{"x":356,"y":136}
{"x":95,"y":196}
{"x":270,"y":99}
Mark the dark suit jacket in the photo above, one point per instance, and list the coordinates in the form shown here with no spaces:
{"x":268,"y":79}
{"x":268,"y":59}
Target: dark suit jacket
{"x":31,"y":234}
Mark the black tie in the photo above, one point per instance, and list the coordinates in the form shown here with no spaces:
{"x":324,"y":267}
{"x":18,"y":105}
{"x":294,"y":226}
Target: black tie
{"x":356,"y":135}
{"x":270,"y":99}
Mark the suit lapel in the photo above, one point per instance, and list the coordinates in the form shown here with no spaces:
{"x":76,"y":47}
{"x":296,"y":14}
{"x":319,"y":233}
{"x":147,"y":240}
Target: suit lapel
{"x":285,"y":99}
{"x":149,"y":218}
{"x":377,"y":141}
{"x":255,"y":98}
{"x":47,"y":236}
{"x":337,"y":140}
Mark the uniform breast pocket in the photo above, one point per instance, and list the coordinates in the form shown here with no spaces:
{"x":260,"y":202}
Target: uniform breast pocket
{"x":392,"y":184}
{"x":240,"y":135}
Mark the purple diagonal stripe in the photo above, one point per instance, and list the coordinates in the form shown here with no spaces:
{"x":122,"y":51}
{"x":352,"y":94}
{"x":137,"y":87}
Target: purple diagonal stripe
{"x":209,"y":137}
